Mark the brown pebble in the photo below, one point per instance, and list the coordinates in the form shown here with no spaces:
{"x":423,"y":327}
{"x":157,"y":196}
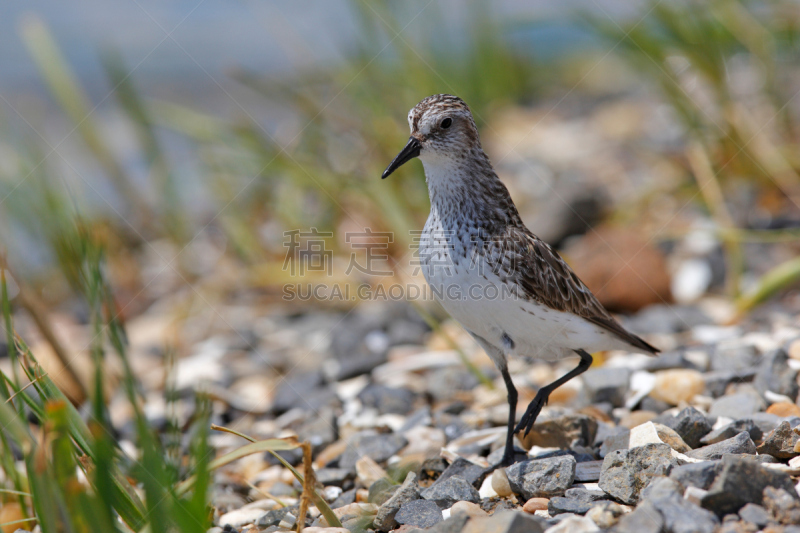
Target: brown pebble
{"x":467,"y":508}
{"x":535,"y":504}
{"x":596,"y":413}
{"x":678,"y":385}
{"x":784,"y":409}
{"x":637,"y":418}
{"x":362,"y":495}
{"x":10,"y":513}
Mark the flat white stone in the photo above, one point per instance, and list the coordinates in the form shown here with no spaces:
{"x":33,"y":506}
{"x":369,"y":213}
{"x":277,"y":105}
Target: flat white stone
{"x":240,"y":517}
{"x":486,"y":489}
{"x":640,"y":385}
{"x":694,"y":495}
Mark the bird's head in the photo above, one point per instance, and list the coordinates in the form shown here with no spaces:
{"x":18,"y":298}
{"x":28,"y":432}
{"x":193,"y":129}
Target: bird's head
{"x":441,"y":127}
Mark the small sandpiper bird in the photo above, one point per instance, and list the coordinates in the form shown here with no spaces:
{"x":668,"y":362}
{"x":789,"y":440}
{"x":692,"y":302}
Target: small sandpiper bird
{"x":510,"y":290}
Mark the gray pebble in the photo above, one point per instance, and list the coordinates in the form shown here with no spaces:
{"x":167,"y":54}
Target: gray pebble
{"x":738,"y":405}
{"x":754,"y":514}
{"x":782,"y":504}
{"x":472,"y":473}
{"x":690,"y":424}
{"x":420,"y":513}
{"x":408,"y":491}
{"x":742,"y":481}
{"x":734,"y":357}
{"x":542,"y":477}
{"x":731,"y":430}
{"x":387,"y":399}
{"x":780,"y":442}
{"x":775,"y":375}
{"x":451,"y":490}
{"x":379,"y":447}
{"x":625,"y":473}
{"x":679,"y":514}
{"x":700,"y":475}
{"x":741,"y":443}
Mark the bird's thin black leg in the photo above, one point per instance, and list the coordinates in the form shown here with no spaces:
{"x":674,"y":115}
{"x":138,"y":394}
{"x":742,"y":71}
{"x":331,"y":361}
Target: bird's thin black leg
{"x":508,"y":455}
{"x":540,"y":400}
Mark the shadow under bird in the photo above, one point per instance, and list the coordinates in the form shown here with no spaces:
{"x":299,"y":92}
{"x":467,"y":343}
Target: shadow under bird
{"x":509,"y":289}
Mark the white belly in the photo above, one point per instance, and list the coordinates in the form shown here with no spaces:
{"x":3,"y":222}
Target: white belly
{"x":480,"y":301}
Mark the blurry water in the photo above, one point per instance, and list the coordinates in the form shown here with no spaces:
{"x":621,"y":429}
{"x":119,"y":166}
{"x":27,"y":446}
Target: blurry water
{"x":180,"y":51}
{"x":179,"y":46}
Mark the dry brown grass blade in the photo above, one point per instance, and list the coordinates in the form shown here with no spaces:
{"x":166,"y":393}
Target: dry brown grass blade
{"x":308,"y":486}
{"x":768,"y":155}
{"x":32,"y":304}
{"x":715,"y":200}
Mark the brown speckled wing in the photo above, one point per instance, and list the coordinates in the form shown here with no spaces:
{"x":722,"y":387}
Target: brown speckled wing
{"x":544,"y":277}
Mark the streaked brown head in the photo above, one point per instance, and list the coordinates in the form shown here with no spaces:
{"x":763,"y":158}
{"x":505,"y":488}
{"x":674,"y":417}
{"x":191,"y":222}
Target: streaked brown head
{"x":441,"y":126}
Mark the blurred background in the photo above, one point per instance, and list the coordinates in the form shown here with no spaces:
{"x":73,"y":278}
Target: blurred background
{"x":155,"y":159}
{"x":186,"y":137}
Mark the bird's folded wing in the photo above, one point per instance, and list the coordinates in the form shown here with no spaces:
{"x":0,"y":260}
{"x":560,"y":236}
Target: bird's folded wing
{"x":543,"y":276}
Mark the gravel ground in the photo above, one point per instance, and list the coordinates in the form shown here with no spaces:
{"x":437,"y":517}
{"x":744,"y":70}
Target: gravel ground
{"x":704,"y":437}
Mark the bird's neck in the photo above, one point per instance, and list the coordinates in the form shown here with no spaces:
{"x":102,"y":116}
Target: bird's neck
{"x":466,"y":187}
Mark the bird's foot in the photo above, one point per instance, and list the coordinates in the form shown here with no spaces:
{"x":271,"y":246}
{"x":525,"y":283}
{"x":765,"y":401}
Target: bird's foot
{"x":532,"y":412}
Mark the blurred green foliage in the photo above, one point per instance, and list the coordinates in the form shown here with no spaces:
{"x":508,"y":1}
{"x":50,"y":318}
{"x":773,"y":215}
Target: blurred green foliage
{"x":727,"y":69}
{"x":351,"y":123}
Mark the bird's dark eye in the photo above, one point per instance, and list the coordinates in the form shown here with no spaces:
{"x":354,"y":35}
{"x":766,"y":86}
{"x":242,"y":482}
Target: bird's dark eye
{"x":447,"y":122}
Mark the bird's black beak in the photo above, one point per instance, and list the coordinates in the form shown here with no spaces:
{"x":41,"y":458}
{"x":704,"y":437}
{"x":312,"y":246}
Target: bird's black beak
{"x":408,"y":153}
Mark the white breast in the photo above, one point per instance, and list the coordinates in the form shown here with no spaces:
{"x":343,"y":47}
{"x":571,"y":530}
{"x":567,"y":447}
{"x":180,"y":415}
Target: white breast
{"x":478,"y":299}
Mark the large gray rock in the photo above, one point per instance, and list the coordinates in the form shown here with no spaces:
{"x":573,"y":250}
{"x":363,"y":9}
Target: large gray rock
{"x":737,"y":405}
{"x":378,"y":447}
{"x":741,"y":443}
{"x":451,"y":490}
{"x":626,"y":473}
{"x":679,"y":515}
{"x":690,"y":424}
{"x":742,"y":481}
{"x":542,"y":478}
{"x":419,"y":513}
{"x":408,"y":491}
{"x":700,"y":475}
{"x":781,"y":441}
{"x":731,"y":430}
{"x":775,"y":375}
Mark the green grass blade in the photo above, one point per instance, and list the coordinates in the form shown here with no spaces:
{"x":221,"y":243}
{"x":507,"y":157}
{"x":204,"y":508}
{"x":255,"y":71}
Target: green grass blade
{"x":777,"y":279}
